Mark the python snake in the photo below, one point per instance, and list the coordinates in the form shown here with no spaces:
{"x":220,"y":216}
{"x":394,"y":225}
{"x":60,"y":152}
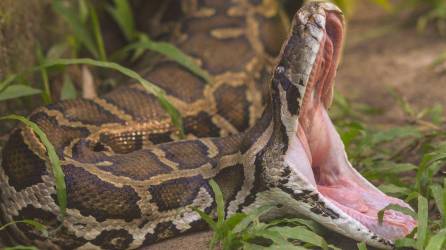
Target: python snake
{"x":129,"y":185}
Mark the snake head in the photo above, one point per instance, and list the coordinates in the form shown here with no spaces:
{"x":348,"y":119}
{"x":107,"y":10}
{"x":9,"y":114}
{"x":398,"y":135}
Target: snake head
{"x":315,"y":177}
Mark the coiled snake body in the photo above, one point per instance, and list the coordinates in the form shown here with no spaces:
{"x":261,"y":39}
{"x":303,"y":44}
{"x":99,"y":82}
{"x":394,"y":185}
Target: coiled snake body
{"x":125,"y":192}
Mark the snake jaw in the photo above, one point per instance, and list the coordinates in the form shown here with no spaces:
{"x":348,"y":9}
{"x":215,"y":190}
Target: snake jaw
{"x":339,"y":197}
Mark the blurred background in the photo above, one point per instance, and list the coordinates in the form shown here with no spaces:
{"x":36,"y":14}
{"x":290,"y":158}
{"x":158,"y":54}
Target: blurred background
{"x":394,"y":49}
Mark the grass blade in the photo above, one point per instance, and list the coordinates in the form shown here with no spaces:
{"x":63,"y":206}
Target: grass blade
{"x":172,"y":53}
{"x":208,"y":219}
{"x":438,"y":195}
{"x":422,"y":221}
{"x":59,"y":176}
{"x":46,"y":94}
{"x":277,"y":238}
{"x":444,"y":202}
{"x":437,"y":241}
{"x":6,"y":82}
{"x":68,"y":91}
{"x":123,"y":16}
{"x":79,"y":30}
{"x":33,"y":223}
{"x":398,"y":208}
{"x":97,"y":33}
{"x":361,"y":246}
{"x":233,"y":221}
{"x":406,"y":243}
{"x":394,"y":189}
{"x":301,"y":233}
{"x":18,"y":90}
{"x":219,"y":201}
{"x":252,"y":215}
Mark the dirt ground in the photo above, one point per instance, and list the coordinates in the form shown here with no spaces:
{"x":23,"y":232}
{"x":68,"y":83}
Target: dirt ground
{"x":382,"y":52}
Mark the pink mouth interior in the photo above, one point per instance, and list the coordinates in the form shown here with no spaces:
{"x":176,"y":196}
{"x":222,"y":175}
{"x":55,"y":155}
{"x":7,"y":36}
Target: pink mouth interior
{"x":324,"y":151}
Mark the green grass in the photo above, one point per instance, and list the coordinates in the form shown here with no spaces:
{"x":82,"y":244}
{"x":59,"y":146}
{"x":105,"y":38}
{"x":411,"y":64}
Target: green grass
{"x":246,"y":231}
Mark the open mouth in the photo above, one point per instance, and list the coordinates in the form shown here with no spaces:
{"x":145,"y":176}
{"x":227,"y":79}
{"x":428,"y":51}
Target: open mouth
{"x":320,"y":149}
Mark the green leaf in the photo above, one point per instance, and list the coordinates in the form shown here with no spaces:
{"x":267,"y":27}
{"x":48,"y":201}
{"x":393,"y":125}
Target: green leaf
{"x":233,"y":221}
{"x":394,"y":189}
{"x":439,"y":195}
{"x":429,"y":165}
{"x":208,"y":219}
{"x":251,"y":246}
{"x":301,"y":233}
{"x":173,"y":113}
{"x":406,"y":243}
{"x":68,"y":91}
{"x":252,"y":215}
{"x":436,"y":114}
{"x":402,"y":102}
{"x":310,"y":224}
{"x":362,"y":246}
{"x":33,"y":223}
{"x":395,"y":207}
{"x":444,"y":202}
{"x":172,"y":53}
{"x":18,"y":90}
{"x":350,"y":133}
{"x":97,"y":33}
{"x":59,"y":176}
{"x":123,"y":16}
{"x":219,"y":201}
{"x":83,"y":10}
{"x":422,"y":220}
{"x":57,"y":50}
{"x":395,"y":133}
{"x":80,"y":31}
{"x":437,"y":241}
{"x":279,"y":241}
{"x":6,"y":82}
{"x":391,"y":168}
{"x":141,"y":38}
{"x":46,"y":95}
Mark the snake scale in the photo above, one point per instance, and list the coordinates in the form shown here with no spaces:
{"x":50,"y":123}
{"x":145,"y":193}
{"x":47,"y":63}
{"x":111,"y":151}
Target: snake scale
{"x":131,"y":182}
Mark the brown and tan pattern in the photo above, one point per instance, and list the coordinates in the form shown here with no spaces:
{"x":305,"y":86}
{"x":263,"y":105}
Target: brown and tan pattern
{"x":130,"y":184}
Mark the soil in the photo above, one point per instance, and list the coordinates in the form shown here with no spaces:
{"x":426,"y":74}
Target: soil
{"x":382,"y":52}
{"x":385,"y":52}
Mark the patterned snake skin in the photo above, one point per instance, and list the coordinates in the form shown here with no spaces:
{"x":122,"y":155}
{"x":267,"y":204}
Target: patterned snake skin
{"x":128,"y":184}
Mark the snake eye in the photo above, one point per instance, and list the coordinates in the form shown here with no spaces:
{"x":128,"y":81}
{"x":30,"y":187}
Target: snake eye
{"x":280,"y":69}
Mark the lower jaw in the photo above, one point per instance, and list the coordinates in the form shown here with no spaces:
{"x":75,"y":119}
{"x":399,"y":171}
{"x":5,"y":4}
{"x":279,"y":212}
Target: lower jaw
{"x":341,"y":184}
